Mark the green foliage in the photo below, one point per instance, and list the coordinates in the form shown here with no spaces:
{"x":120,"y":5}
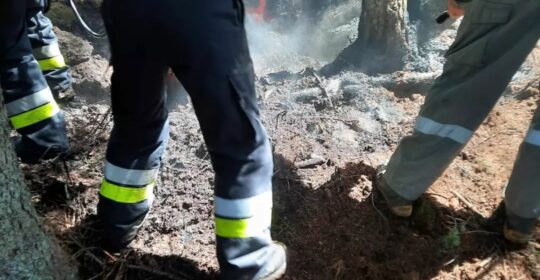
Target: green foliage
{"x":452,"y":240}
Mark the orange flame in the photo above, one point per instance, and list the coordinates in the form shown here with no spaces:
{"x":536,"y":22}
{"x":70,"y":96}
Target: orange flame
{"x":260,"y":11}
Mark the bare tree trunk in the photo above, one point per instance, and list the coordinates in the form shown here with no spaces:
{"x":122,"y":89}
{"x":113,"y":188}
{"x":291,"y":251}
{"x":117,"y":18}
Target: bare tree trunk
{"x":26,"y":252}
{"x":381,"y":46}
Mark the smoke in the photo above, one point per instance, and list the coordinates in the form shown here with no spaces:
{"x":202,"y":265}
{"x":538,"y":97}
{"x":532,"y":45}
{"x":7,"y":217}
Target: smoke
{"x":292,"y":43}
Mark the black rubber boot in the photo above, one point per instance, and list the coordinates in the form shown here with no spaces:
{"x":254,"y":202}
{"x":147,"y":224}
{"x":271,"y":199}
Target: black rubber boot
{"x":30,"y":154}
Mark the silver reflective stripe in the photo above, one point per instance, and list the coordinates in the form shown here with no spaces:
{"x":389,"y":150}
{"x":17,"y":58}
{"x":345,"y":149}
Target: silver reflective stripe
{"x":243,"y":208}
{"x":130,"y":177}
{"x":252,"y":259}
{"x":533,"y":137}
{"x":454,"y":132}
{"x":46,"y":51}
{"x":29,"y":102}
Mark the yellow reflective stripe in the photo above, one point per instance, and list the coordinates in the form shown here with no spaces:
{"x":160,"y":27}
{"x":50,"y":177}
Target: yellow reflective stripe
{"x":34,"y":116}
{"x":243,"y":228}
{"x":125,"y":194}
{"x":52,"y":63}
{"x":29,"y":102}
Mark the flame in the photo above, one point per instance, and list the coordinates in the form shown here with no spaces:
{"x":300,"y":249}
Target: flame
{"x":260,"y":11}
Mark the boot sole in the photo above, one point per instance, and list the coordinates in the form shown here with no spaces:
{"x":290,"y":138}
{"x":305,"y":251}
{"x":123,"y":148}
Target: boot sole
{"x":280,"y":272}
{"x":404,"y":212}
{"x":515,"y":236}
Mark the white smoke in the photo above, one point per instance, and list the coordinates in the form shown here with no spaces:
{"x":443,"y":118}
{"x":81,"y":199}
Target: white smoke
{"x":292,"y":46}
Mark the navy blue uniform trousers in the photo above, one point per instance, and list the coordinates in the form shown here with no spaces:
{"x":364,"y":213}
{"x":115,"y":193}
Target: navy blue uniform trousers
{"x":30,"y":106}
{"x":204,"y":43}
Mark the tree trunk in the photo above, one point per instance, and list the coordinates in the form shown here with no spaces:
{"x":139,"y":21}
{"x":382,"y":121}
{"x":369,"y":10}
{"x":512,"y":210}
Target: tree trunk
{"x":381,"y":46}
{"x":26,"y":252}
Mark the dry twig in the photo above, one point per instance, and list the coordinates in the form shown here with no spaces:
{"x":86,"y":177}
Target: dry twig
{"x":312,"y":162}
{"x":379,"y":211}
{"x":321,"y":86}
{"x":467,"y":203}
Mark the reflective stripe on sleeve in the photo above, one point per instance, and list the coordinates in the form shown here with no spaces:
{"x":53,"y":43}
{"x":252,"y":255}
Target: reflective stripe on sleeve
{"x":52,"y":63}
{"x":45,"y":52}
{"x":29,"y":102}
{"x":244,"y":228}
{"x":454,"y":132}
{"x":533,"y":137}
{"x":130,"y":177}
{"x":123,"y":194}
{"x":34,"y":116}
{"x":243,"y":208}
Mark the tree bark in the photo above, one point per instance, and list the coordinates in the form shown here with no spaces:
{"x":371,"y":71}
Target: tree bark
{"x":26,"y":252}
{"x":381,"y":46}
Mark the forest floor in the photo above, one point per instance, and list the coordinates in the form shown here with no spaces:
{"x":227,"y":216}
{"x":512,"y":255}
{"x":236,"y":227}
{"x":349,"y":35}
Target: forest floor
{"x":333,"y":222}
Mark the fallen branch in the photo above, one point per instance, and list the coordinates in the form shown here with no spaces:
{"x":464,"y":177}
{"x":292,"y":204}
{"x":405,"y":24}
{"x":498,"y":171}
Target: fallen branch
{"x":312,"y":162}
{"x":487,"y":261}
{"x":93,"y":257}
{"x":86,"y":251}
{"x":467,"y":203}
{"x":321,"y":86}
{"x":113,"y":258}
{"x":71,"y":183}
{"x":449,"y":262}
{"x":379,"y":211}
{"x":404,"y":83}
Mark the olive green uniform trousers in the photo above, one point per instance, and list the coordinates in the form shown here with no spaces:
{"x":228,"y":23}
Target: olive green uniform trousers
{"x":493,"y":41}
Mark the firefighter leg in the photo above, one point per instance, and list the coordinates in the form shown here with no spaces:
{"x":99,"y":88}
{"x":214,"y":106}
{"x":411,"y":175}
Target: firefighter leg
{"x":493,"y":41}
{"x":218,"y":74}
{"x":138,"y":137}
{"x":522,"y":198}
{"x":45,"y":48}
{"x":30,"y":105}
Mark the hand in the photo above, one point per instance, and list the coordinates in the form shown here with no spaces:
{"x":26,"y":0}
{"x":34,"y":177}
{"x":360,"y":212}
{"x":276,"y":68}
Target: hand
{"x":454,"y":10}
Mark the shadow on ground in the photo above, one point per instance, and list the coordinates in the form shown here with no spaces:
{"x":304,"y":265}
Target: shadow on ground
{"x":340,"y":230}
{"x":343,"y":230}
{"x":96,"y":263}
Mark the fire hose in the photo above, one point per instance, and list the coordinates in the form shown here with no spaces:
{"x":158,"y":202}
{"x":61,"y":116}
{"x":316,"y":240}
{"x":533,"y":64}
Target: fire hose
{"x":97,"y":34}
{"x":259,"y":11}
